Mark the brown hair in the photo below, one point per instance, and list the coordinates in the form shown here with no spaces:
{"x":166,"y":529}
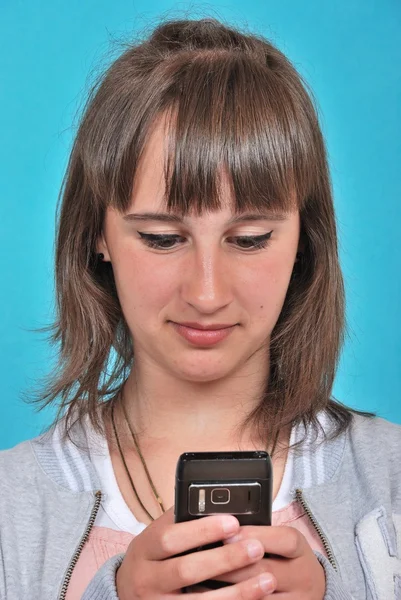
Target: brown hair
{"x":231,"y":98}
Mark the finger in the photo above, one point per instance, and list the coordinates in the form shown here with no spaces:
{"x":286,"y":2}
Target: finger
{"x":251,"y":589}
{"x":190,"y":569}
{"x":166,"y":539}
{"x":286,"y":573}
{"x":281,"y":540}
{"x":148,"y":538}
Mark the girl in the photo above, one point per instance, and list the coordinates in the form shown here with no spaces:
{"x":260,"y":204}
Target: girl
{"x":200,"y":308}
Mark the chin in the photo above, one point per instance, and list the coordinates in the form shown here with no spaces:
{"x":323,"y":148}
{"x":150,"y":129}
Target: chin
{"x":202,"y":378}
{"x":202,"y":374}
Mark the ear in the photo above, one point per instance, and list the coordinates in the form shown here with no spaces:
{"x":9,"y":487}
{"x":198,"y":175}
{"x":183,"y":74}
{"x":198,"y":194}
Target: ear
{"x":301,"y":247}
{"x":300,"y":251}
{"x":101,"y":247}
{"x":302,"y":242}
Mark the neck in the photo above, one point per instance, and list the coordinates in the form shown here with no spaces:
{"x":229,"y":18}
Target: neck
{"x":194,"y":416}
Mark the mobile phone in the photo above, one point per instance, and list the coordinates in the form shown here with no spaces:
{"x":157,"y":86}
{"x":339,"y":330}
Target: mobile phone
{"x":237,"y":483}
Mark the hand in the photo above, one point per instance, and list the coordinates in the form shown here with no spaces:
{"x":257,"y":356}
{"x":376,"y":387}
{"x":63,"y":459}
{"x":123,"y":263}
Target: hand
{"x":298,"y":573}
{"x":151,"y":568}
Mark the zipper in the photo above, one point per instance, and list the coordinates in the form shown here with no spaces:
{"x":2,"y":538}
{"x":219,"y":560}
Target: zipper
{"x":323,"y":538}
{"x":81,"y":544}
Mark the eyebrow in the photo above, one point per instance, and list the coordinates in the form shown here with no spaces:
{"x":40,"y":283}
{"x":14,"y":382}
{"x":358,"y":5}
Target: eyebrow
{"x":171,"y":218}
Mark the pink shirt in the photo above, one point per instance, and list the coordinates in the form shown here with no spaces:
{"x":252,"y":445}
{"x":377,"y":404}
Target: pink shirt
{"x":103,"y":543}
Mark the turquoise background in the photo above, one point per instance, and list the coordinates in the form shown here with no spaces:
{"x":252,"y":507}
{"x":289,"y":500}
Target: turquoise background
{"x":349,"y":52}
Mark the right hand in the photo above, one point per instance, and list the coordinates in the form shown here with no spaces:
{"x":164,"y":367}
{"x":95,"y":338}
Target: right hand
{"x":151,"y":570}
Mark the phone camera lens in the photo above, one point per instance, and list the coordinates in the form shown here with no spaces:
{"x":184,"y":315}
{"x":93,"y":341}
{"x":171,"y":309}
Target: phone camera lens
{"x":220,"y":496}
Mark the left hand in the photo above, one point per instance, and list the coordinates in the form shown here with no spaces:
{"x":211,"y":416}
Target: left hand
{"x":299,"y":574}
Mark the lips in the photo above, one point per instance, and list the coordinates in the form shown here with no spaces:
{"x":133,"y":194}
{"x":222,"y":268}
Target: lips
{"x":203,"y":335}
{"x":203,"y":327}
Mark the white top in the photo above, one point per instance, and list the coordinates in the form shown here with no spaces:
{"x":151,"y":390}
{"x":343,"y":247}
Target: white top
{"x":114,"y":512}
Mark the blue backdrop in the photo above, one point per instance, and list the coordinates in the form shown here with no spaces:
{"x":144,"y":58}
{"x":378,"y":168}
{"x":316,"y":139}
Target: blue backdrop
{"x":349,"y":51}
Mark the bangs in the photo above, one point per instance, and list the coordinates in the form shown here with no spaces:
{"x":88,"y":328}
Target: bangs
{"x":223,"y":111}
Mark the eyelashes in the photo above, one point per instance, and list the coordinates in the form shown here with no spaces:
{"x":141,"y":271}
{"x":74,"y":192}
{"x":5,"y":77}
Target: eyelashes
{"x":163,"y":241}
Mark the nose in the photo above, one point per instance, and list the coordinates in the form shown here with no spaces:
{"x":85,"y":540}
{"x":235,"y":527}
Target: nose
{"x":206,"y":282}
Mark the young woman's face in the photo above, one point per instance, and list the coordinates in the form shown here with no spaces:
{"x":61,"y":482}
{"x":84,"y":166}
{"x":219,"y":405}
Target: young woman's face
{"x":205,"y":271}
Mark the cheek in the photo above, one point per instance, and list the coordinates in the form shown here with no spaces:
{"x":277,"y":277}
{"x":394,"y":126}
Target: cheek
{"x":139,"y":285}
{"x":265,"y":289}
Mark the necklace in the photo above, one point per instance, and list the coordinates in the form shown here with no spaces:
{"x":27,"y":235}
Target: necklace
{"x":125,"y":465}
{"x":152,"y":485}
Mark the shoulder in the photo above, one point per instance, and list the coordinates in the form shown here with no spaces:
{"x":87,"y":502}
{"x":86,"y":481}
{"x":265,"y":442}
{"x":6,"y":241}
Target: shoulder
{"x":375,"y":433}
{"x":22,"y":481}
{"x":52,"y":460}
{"x":17,"y":462}
{"x":373,"y":453}
{"x":377,"y":438}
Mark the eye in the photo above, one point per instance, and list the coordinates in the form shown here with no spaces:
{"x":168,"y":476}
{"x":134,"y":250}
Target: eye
{"x":161,"y":241}
{"x":252,"y":242}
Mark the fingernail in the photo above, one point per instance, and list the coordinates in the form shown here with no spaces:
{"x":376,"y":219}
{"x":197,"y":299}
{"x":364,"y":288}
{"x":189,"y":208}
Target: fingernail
{"x":234,"y":538}
{"x":229,"y":524}
{"x":266,"y":582}
{"x":254,"y":549}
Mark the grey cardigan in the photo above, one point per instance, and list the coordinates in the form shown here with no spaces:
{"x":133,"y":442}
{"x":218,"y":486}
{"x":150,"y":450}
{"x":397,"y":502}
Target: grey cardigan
{"x":350,"y":487}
